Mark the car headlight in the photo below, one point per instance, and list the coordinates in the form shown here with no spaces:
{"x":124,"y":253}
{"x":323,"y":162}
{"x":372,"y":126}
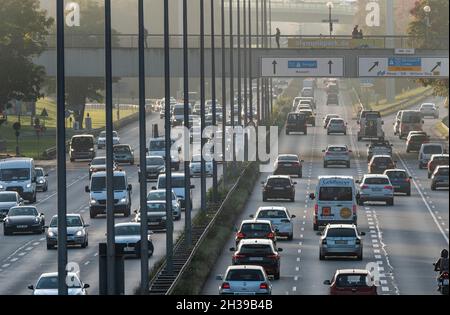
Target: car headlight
{"x":51,"y":234}
{"x":91,"y":149}
{"x":164,"y":218}
{"x":6,"y":221}
{"x":2,"y":187}
{"x":93,"y":201}
{"x":40,"y":181}
{"x":123,"y":200}
{"x":71,"y":150}
{"x":36,"y":220}
{"x":79,"y":233}
{"x":28,"y":185}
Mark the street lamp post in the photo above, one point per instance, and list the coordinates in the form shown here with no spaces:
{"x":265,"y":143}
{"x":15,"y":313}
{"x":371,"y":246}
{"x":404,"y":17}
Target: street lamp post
{"x":427,"y":10}
{"x":330,"y":8}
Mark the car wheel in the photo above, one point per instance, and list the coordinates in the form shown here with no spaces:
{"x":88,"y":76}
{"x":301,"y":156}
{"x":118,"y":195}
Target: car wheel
{"x":321,"y":256}
{"x":390,"y":202}
{"x":433,"y":187}
{"x":132,"y":162}
{"x":306,"y":133}
{"x":290,"y":237}
{"x":50,"y":247}
{"x":276,"y":276}
{"x":92,"y":214}
{"x":360,"y":203}
{"x":429,"y":175}
{"x":325,"y":165}
{"x":33,"y":200}
{"x":328,"y":133}
{"x":72,"y":160}
{"x":315,"y":227}
{"x":126,"y":213}
{"x":264,"y":198}
{"x":84,"y":245}
{"x":408,"y":193}
{"x":360,"y":257}
{"x":293,"y":199}
{"x":348,"y":165}
{"x":287,"y":133}
{"x":6,"y":232}
{"x":150,"y":249}
{"x":300,"y":175}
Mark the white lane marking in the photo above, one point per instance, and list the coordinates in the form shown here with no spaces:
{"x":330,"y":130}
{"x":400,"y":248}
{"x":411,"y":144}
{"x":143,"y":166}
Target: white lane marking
{"x":426,"y":203}
{"x":14,"y":259}
{"x":5,"y":265}
{"x":55,"y":193}
{"x":383,"y":281}
{"x":87,"y":263}
{"x":29,"y":248}
{"x":296,"y":278}
{"x":294,"y":289}
{"x":377,"y":256}
{"x":35,"y":243}
{"x":297,"y":268}
{"x":385,"y":289}
{"x":298,"y":258}
{"x":376,"y":251}
{"x":42,"y":239}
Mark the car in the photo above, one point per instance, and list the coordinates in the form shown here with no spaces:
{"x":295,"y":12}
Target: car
{"x":77,"y":232}
{"x":337,"y":125}
{"x":415,"y":140}
{"x":155,"y":166}
{"x":435,"y":161}
{"x":310,"y":117}
{"x":303,"y":106}
{"x":177,"y":118}
{"x":332,"y":99}
{"x":306,"y":100}
{"x":278,"y":187}
{"x":337,"y":155}
{"x":157,"y":147}
{"x":160,"y":195}
{"x":47,"y":284}
{"x":400,"y":180}
{"x":378,"y":148}
{"x":41,"y":179}
{"x":129,"y":234}
{"x":195,"y":166}
{"x":81,"y":147}
{"x":439,"y":178}
{"x":296,"y":122}
{"x":259,"y":252}
{"x":279,"y":217}
{"x":18,"y":174}
{"x":307,"y":92}
{"x":101,"y":140}
{"x":288,"y":164}
{"x":427,"y":150}
{"x":429,"y":109}
{"x":379,"y":163}
{"x":123,"y":153}
{"x":177,"y":186}
{"x":410,"y":120}
{"x":23,"y":219}
{"x":332,"y":87}
{"x":245,"y":280}
{"x":341,"y":240}
{"x":397,"y":122}
{"x":9,"y":199}
{"x":98,"y":164}
{"x":97,"y":194}
{"x":327,"y":119}
{"x":252,"y":229}
{"x":352,"y":282}
{"x":370,"y":125}
{"x":375,"y":187}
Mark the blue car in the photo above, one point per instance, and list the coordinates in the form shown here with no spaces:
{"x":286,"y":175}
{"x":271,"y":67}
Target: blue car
{"x":400,"y":180}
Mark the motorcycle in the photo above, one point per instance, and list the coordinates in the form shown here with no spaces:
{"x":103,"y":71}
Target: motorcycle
{"x":443,"y":282}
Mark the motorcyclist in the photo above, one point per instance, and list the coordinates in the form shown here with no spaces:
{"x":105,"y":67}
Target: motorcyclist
{"x":441,"y":265}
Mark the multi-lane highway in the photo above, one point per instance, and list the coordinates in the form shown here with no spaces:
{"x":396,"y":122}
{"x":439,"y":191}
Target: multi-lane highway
{"x":23,"y":258}
{"x":403,"y":240}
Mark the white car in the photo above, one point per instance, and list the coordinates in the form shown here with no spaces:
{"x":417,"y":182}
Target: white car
{"x":101,"y":141}
{"x":341,"y":240}
{"x":375,"y":187}
{"x":280,"y":218}
{"x":337,"y":125}
{"x":427,"y":150}
{"x":47,"y":284}
{"x":245,"y":280}
{"x":195,"y":166}
{"x":429,"y":109}
{"x":337,"y":155}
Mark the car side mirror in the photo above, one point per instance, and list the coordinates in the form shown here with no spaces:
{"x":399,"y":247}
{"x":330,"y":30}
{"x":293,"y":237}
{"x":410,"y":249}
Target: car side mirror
{"x":362,"y":233}
{"x":45,"y":226}
{"x":219,"y":277}
{"x":323,"y":151}
{"x":85,"y":286}
{"x":367,"y":145}
{"x":31,"y":287}
{"x":41,"y":214}
{"x":350,"y":151}
{"x":251,"y":216}
{"x":46,"y":175}
{"x":319,"y":233}
{"x":312,"y":196}
{"x":293,"y":216}
{"x":87,"y":225}
{"x":153,"y":188}
{"x":302,"y":161}
{"x":262,"y":183}
{"x":279,"y":249}
{"x":295,"y":183}
{"x":135,"y":211}
{"x":86,"y":189}
{"x":358,"y":181}
{"x":232,"y":249}
{"x":327,"y":282}
{"x":192,"y":187}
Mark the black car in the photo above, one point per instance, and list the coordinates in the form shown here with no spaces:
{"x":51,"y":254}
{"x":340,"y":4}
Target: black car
{"x":260,"y":252}
{"x":296,"y":122}
{"x":380,"y":163}
{"x":378,"y":148}
{"x":23,"y":219}
{"x":278,"y":187}
{"x":155,"y":165}
{"x":400,"y":180}
{"x":255,"y":229}
{"x":288,"y":164}
{"x":310,"y":118}
{"x":415,"y":141}
{"x":439,"y":179}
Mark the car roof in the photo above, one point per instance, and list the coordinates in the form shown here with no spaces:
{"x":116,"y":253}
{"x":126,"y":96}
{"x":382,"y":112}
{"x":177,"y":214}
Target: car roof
{"x":127,"y":224}
{"x":335,"y":177}
{"x":432,"y":144}
{"x":173,"y":175}
{"x":156,"y":201}
{"x":396,"y":170}
{"x":288,"y":155}
{"x":442,"y":166}
{"x":8,"y":192}
{"x":337,"y":146}
{"x":54,"y":274}
{"x":69,"y":214}
{"x":82,"y":136}
{"x":255,"y":221}
{"x":255,"y":241}
{"x":240,"y":267}
{"x":279,"y":176}
{"x":272,"y":208}
{"x":381,"y":156}
{"x":352,"y":271}
{"x":439,"y":155}
{"x":341,"y":226}
{"x":375,"y":176}
{"x":103,"y":173}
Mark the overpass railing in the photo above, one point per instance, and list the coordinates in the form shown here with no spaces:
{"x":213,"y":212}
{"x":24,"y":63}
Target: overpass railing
{"x":286,"y":41}
{"x":316,"y":6}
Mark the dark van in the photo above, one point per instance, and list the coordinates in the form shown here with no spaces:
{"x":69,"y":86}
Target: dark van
{"x":296,"y":122}
{"x":82,"y":147}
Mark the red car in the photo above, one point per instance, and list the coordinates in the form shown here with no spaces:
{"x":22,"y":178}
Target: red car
{"x":352,"y":282}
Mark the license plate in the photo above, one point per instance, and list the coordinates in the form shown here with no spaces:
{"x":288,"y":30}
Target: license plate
{"x":376,"y":189}
{"x":128,"y":249}
{"x":287,"y":164}
{"x":22,"y":226}
{"x":255,"y":259}
{"x":278,"y":188}
{"x":244,"y":293}
{"x":341,"y":242}
{"x":326,"y":212}
{"x":153,"y":223}
{"x":445,"y":282}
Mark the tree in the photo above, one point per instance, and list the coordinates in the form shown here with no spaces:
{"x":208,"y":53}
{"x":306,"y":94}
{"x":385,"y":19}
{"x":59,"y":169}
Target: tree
{"x":432,"y":35}
{"x":23,"y":30}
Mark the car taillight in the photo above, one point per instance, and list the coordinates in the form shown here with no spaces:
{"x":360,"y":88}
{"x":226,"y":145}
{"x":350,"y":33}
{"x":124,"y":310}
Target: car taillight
{"x":270,"y":235}
{"x":273,"y":256}
{"x":358,"y":241}
{"x":324,"y":242}
{"x":388,"y":187}
{"x":264,"y":286}
{"x":240,"y":235}
{"x":408,"y":180}
{"x":296,"y":163}
{"x":364,"y":186}
{"x":316,"y":209}
{"x":225,"y":285}
{"x":354,"y":209}
{"x":238,"y":256}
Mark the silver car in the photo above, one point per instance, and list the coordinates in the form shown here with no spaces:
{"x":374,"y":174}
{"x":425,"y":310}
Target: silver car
{"x":429,"y":109}
{"x":336,"y":155}
{"x":195,"y":166}
{"x":375,"y":187}
{"x":41,"y":179}
{"x":280,"y":218}
{"x":77,"y":233}
{"x":8,"y":199}
{"x":341,"y":240}
{"x":245,"y":280}
{"x":160,"y":195}
{"x":129,"y":234}
{"x":337,"y":125}
{"x":47,"y":284}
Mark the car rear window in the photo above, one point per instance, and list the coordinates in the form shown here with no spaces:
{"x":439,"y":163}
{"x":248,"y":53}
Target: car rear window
{"x":287,"y":158}
{"x":443,"y":171}
{"x":293,"y":118}
{"x":341,"y":233}
{"x":256,"y":249}
{"x":376,"y":181}
{"x":396,"y":175}
{"x":418,"y":138}
{"x":245,"y":275}
{"x":432,"y":149}
{"x":278,"y":182}
{"x":258,"y":227}
{"x":337,"y":149}
{"x":272,"y":214}
{"x":382,"y":160}
{"x":8,"y":197}
{"x":353,"y":280}
{"x":336,"y":194}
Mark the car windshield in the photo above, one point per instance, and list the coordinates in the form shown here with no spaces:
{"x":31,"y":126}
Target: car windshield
{"x":12,"y":174}
{"x":256,"y":249}
{"x":158,"y":195}
{"x":22,"y":211}
{"x":336,"y":122}
{"x":443,"y":171}
{"x":337,"y":149}
{"x":157,"y":145}
{"x":272,"y":214}
{"x":177,"y":182}
{"x":336,"y":194}
{"x":376,"y":181}
{"x":126,"y":230}
{"x":354,"y":280}
{"x":418,"y":138}
{"x":72,"y":221}
{"x":155,"y":161}
{"x":8,"y":197}
{"x":156,"y":207}
{"x":39,"y":172}
{"x":411,"y":118}
{"x":121,"y":149}
{"x":51,"y":283}
{"x":98,"y":183}
{"x":82,"y":143}
{"x":291,"y":158}
{"x":432,"y":149}
{"x":293,"y":118}
{"x":341,"y":233}
{"x":278,"y":182}
{"x":103,"y":134}
{"x":98,"y":161}
{"x":441,"y":159}
{"x":245,"y":275}
{"x":255,"y":227}
{"x":178,"y":111}
{"x":382,"y":160}
{"x":396,"y":175}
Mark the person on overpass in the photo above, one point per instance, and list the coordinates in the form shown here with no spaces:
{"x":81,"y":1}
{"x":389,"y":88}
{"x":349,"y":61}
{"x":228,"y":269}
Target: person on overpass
{"x":277,"y":37}
{"x":145,"y":37}
{"x":355,"y":32}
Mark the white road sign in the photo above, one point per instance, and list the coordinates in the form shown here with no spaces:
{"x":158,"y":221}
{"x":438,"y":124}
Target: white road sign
{"x":302,"y":67}
{"x":404,"y":66}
